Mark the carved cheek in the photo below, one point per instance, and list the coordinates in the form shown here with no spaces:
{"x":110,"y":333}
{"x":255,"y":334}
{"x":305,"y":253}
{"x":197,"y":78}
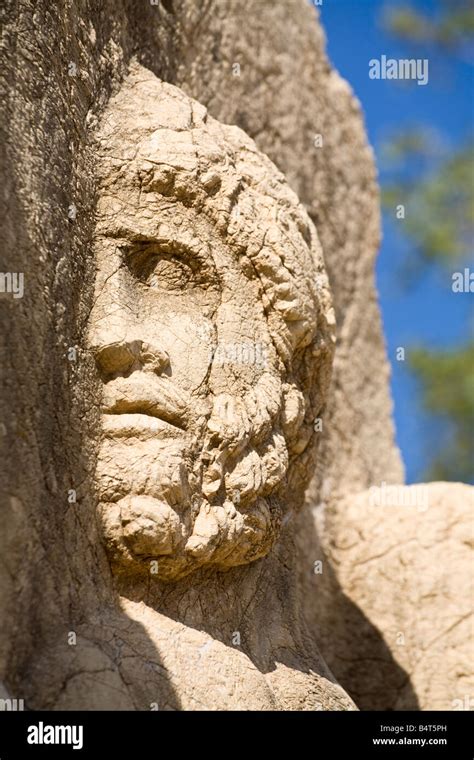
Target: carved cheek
{"x":187,"y":337}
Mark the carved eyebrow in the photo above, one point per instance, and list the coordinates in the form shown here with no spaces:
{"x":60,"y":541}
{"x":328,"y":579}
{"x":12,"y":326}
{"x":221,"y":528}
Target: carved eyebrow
{"x":141,"y":255}
{"x":168,"y":246}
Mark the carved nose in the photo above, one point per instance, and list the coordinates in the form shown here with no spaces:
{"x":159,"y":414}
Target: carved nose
{"x":123,"y":357}
{"x":153,"y":358}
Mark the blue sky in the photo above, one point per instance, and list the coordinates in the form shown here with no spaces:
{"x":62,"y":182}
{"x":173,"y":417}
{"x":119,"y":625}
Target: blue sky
{"x":428,"y":314}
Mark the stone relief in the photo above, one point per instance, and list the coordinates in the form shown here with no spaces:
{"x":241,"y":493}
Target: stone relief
{"x":212,"y":329}
{"x":186,"y":402}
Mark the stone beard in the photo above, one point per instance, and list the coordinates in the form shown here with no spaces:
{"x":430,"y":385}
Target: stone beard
{"x":213,"y":331}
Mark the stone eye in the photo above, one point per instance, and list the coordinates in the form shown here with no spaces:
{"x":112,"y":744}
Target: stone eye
{"x":166,"y":272}
{"x":162,"y":269}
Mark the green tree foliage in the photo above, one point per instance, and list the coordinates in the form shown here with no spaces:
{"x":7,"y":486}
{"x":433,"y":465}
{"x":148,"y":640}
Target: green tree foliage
{"x":451,"y":28}
{"x":438,"y":193}
{"x":448,"y":381}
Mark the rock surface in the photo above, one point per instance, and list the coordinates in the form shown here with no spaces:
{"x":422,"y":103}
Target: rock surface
{"x":276,"y":83}
{"x":78,"y":635}
{"x":82,"y":646}
{"x":398,"y":560}
{"x":213,"y":333}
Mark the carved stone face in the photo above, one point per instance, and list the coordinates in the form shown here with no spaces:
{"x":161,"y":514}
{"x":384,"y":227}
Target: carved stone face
{"x":212,"y":333}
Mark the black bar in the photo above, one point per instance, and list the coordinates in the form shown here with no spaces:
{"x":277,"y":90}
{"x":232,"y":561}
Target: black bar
{"x":316,"y":734}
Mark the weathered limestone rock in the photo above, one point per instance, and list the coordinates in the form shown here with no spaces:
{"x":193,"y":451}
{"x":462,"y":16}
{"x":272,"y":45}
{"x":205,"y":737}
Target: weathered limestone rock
{"x":241,"y":638}
{"x":276,"y":83}
{"x":398,"y":560}
{"x":212,"y":329}
{"x":228,"y":617}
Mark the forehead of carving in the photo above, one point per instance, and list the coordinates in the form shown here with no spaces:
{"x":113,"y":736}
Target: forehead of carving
{"x":157,"y":145}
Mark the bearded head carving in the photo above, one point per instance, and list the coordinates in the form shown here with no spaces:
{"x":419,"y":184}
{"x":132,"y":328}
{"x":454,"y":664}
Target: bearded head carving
{"x":212,"y":330}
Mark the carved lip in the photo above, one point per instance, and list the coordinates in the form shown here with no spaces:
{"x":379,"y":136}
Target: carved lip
{"x":144,"y":408}
{"x":153,"y":401}
{"x":137,"y":425}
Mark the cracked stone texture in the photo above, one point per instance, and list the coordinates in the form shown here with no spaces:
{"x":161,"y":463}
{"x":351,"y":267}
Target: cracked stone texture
{"x":284,"y":94}
{"x":213,"y":331}
{"x":61,"y":67}
{"x":399,"y":560}
{"x":75,"y":637}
